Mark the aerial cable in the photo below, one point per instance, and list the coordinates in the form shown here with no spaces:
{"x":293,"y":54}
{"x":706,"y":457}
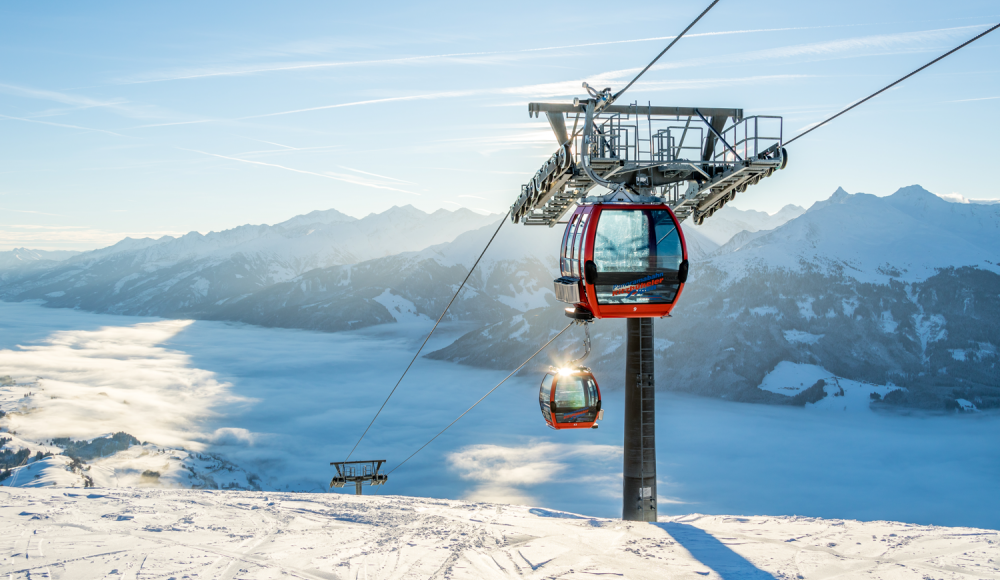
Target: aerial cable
{"x":887,"y":87}
{"x":648,"y":66}
{"x":669,"y":46}
{"x":462,"y":285}
{"x":483,"y":397}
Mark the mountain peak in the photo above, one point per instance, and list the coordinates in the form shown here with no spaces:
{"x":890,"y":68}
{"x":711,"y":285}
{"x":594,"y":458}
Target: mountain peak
{"x":327,"y":216}
{"x":840,"y":196}
{"x":407,"y":209}
{"x":913,"y":192}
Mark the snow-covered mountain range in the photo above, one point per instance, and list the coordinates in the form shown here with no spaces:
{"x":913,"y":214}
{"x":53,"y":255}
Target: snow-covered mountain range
{"x":900,"y":291}
{"x":17,"y":262}
{"x":194,"y":274}
{"x":513,"y":276}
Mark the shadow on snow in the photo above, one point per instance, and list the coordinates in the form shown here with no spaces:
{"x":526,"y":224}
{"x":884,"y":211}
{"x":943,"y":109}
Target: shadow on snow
{"x":713,"y":553}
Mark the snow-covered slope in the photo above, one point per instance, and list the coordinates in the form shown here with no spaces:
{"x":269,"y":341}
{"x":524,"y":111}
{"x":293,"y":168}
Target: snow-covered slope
{"x":191,"y":274}
{"x":136,"y":533}
{"x":906,"y":236}
{"x":698,"y":245}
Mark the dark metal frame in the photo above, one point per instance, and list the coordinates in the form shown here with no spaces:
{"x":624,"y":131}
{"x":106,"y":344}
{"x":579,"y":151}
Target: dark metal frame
{"x":358,"y":472}
{"x":647,"y":154}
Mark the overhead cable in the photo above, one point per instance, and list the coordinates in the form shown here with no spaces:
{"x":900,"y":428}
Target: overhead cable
{"x":669,"y":46}
{"x":514,"y":372}
{"x":887,"y":87}
{"x":462,"y":285}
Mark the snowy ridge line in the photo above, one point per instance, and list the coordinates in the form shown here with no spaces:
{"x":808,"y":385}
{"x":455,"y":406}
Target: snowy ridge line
{"x":908,"y":236}
{"x":201,"y":276}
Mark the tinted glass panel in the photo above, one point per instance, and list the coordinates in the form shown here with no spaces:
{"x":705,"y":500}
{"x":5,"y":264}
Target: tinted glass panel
{"x":544,"y":395}
{"x":576,"y":399}
{"x":564,"y":266}
{"x":574,"y":251}
{"x":639,"y":252}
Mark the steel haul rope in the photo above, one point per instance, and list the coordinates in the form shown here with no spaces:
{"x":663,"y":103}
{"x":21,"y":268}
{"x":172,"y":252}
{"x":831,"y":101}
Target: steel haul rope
{"x":483,"y":397}
{"x":887,"y":87}
{"x":450,"y":302}
{"x":664,"y":51}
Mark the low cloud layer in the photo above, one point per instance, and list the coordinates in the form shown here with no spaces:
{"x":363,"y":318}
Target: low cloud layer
{"x":504,"y":472}
{"x":93,"y":382}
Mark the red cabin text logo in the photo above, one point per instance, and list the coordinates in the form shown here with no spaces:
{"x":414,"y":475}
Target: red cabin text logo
{"x":639,"y":286}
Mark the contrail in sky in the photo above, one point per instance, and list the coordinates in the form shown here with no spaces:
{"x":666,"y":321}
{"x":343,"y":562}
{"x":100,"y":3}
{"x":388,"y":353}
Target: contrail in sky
{"x":970,"y":100}
{"x":376,"y":175}
{"x":333,"y":176}
{"x":368,"y":102}
{"x":30,"y":211}
{"x":60,"y":125}
{"x":408,"y":59}
{"x":886,"y":43}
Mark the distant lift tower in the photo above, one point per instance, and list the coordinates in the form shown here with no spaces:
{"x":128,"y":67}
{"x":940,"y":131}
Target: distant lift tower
{"x":694,"y":160}
{"x":358,"y":472}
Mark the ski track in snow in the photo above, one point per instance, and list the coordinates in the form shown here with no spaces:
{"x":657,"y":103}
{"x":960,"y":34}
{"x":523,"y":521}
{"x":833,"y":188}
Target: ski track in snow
{"x":139,"y":534}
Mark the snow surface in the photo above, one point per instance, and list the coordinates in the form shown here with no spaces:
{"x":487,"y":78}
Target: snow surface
{"x":137,"y":534}
{"x":966,"y":405}
{"x":281,"y":404}
{"x":790,"y":378}
{"x":401,"y":309}
{"x":906,"y":237}
{"x":801,"y":337}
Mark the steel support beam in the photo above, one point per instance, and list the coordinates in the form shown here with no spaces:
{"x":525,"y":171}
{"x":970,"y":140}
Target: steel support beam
{"x":639,"y":469}
{"x":717,"y":123}
{"x":558,"y":124}
{"x":535,"y":108}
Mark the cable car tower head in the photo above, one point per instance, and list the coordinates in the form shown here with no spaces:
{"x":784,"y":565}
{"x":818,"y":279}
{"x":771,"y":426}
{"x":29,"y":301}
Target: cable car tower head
{"x":623,"y":253}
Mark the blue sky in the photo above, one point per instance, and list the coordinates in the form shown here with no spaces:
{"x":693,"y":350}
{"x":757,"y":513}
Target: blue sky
{"x":149,"y":119}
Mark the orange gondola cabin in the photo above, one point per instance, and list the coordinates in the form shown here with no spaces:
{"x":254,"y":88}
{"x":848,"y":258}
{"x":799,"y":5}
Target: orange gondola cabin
{"x":622,"y":261}
{"x":570,"y":399}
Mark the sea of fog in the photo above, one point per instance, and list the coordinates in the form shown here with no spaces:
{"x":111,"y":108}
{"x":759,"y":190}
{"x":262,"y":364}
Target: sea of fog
{"x":285,"y":403}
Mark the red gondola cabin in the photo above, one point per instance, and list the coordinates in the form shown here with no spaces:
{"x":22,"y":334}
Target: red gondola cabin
{"x":570,"y":399}
{"x":622,"y":261}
